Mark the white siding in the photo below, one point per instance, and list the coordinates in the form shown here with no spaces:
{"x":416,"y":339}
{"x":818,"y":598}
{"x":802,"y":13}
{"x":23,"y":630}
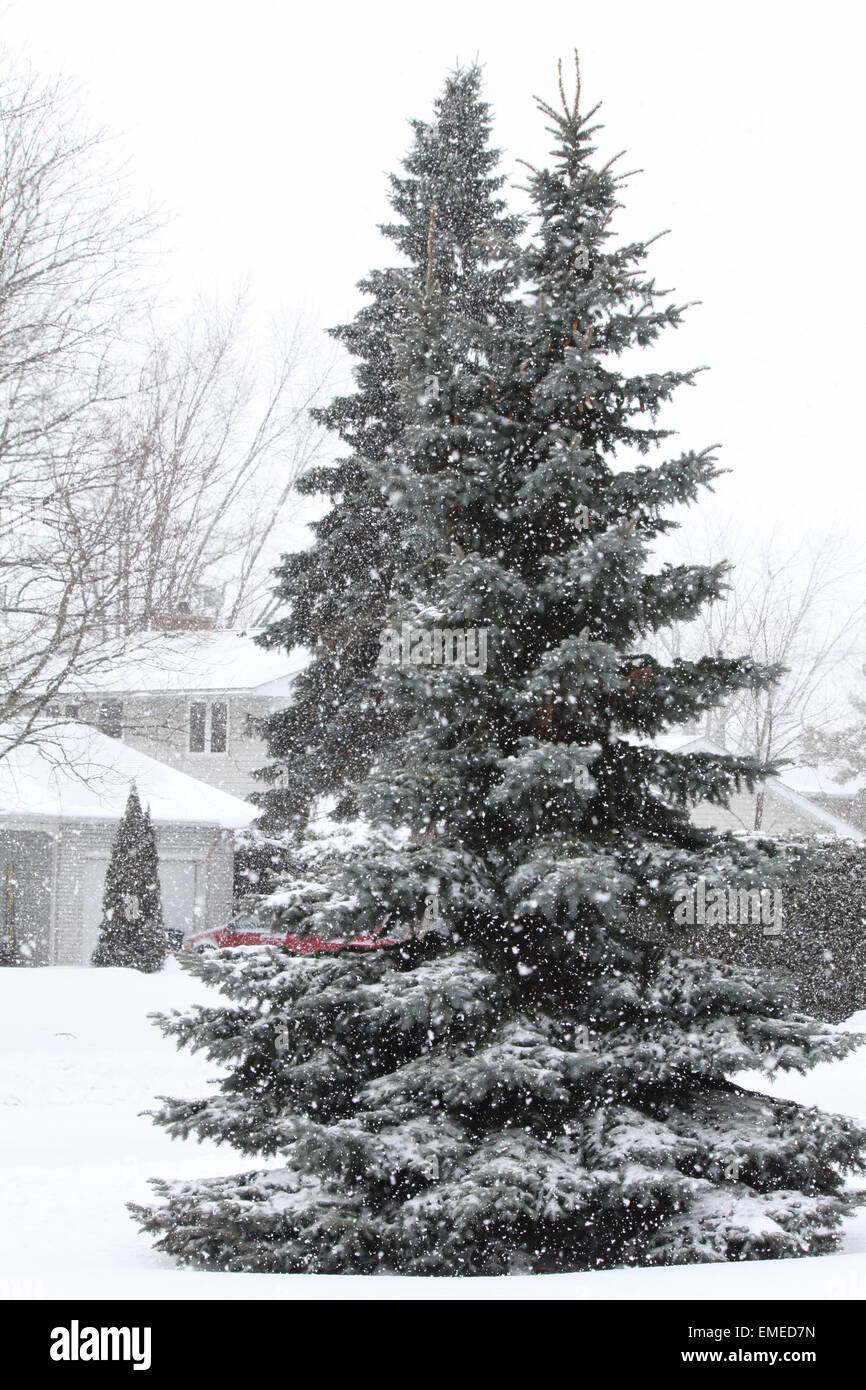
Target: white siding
{"x":158,"y":725}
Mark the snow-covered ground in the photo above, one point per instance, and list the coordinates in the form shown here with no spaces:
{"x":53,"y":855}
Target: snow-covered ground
{"x":78,"y":1062}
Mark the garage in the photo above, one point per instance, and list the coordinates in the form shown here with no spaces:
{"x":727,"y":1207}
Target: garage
{"x":60,"y":802}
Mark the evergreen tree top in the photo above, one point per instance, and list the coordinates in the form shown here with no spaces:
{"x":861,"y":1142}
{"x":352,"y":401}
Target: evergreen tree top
{"x":451,"y":168}
{"x":452,"y":229}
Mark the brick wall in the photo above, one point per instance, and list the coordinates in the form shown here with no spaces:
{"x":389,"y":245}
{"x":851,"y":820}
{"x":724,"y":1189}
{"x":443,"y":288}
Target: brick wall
{"x":26,"y":874}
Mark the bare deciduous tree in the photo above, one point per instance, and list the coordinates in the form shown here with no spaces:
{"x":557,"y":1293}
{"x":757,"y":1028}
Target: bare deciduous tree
{"x":132,"y":477}
{"x":787,"y":610}
{"x":204,"y":455}
{"x":69,"y":255}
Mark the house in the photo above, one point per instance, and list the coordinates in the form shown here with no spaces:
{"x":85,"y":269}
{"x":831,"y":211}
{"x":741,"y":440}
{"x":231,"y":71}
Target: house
{"x":60,"y":801}
{"x":189,"y":698}
{"x":845,"y":798}
{"x":787,"y":809}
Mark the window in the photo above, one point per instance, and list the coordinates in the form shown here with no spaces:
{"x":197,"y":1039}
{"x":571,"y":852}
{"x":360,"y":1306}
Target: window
{"x":69,"y":712}
{"x":197,"y":718}
{"x":208,"y":726}
{"x":219,"y":717}
{"x":109,"y":718}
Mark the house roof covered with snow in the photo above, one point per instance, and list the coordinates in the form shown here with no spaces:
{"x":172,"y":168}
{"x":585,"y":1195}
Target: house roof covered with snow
{"x":72,"y":773}
{"x":795,"y":785}
{"x":223,"y":659}
{"x":820,"y":780}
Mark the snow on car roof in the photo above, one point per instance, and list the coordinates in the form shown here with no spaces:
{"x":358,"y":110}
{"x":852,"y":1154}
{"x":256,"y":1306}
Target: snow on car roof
{"x":72,"y":772}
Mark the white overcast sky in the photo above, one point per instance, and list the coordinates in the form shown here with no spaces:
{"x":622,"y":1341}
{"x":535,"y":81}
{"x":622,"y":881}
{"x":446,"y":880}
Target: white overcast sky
{"x":268,"y":129}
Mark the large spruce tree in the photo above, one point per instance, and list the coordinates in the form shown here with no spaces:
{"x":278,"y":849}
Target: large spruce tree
{"x":453,"y":234}
{"x":542,"y":1082}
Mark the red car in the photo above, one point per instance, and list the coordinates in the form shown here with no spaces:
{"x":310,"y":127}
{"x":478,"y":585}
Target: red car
{"x":238,"y":934}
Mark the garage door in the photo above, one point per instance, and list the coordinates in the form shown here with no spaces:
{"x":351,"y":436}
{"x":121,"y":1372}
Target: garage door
{"x":92,"y":889}
{"x":180,"y":880}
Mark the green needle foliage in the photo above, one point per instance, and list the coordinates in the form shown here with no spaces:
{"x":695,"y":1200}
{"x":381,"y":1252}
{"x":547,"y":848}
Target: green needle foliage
{"x":131,"y":932}
{"x":542,"y":1081}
